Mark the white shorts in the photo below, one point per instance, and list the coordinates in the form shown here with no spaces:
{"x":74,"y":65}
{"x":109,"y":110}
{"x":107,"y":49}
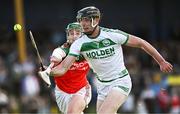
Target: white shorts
{"x":63,"y":98}
{"x":122,"y":85}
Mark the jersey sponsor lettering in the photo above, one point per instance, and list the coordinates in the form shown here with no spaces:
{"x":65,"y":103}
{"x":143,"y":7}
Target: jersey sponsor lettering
{"x":101,"y":53}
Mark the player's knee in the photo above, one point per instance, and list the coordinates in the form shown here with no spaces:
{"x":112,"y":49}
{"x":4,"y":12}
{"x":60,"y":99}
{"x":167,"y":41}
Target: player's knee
{"x":76,"y":107}
{"x":101,"y":112}
{"x":71,"y":110}
{"x":108,"y":110}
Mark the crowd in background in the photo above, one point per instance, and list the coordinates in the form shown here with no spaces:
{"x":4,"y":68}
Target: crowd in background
{"x":22,"y":90}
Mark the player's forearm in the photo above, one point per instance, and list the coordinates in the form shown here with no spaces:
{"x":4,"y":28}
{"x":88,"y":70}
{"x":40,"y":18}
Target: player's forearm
{"x":58,"y":71}
{"x":62,"y":68}
{"x":148,"y":48}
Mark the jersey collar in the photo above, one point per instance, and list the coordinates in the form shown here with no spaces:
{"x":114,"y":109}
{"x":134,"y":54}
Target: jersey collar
{"x":95,"y":36}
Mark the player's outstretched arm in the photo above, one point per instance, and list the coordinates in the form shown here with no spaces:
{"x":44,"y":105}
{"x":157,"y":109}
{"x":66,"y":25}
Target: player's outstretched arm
{"x":62,"y":68}
{"x":56,"y":57}
{"x":148,"y":48}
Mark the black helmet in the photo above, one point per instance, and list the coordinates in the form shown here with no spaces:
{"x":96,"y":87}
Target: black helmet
{"x":89,"y":12}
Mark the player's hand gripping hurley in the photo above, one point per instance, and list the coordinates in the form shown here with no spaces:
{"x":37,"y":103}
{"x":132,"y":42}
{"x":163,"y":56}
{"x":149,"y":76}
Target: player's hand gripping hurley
{"x":44,"y":77}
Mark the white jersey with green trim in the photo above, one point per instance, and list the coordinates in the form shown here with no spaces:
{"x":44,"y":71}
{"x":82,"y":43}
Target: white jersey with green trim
{"x":103,"y":53}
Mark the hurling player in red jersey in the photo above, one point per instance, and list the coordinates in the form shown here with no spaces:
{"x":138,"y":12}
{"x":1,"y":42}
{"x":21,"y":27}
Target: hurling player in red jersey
{"x":72,"y":91}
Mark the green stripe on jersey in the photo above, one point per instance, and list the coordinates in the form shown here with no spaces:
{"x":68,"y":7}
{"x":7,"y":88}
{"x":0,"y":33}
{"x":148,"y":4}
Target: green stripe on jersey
{"x":126,"y":40}
{"x":97,"y":44}
{"x":115,"y":31}
{"x":66,"y":50}
{"x":78,"y":57}
{"x":73,"y":54}
{"x":124,"y":88}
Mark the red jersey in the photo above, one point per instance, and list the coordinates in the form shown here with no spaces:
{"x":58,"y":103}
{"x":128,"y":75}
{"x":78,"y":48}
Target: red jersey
{"x":75,"y":78}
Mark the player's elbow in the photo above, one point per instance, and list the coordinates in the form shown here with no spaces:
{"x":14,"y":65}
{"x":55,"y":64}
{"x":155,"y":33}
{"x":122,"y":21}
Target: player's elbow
{"x":145,"y":45}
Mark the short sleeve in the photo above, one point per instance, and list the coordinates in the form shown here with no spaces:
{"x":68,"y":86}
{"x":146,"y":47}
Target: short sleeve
{"x":75,"y":49}
{"x":120,"y":37}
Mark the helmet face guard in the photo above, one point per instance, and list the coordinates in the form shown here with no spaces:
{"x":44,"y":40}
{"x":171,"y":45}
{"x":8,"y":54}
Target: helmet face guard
{"x":91,"y":13}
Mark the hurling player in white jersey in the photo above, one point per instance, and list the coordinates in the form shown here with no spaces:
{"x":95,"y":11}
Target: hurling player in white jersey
{"x":101,"y":47}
